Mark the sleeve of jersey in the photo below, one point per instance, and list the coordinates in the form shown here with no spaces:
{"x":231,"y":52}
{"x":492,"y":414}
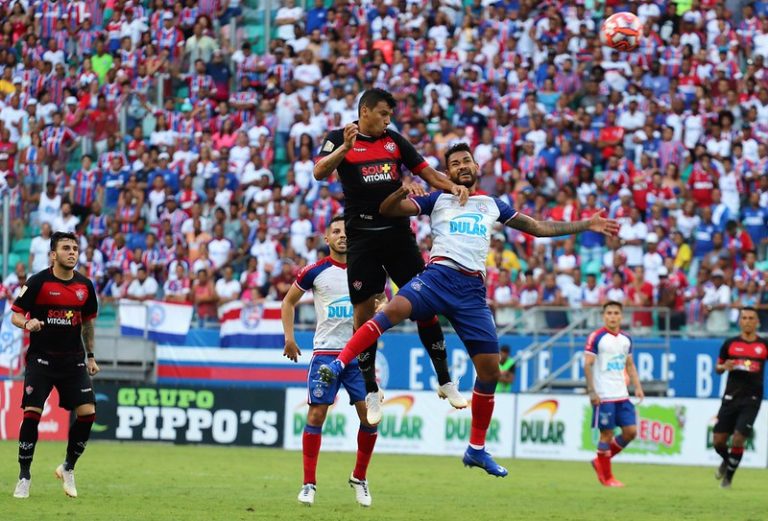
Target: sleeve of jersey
{"x":91,"y":307}
{"x":426,"y":203}
{"x":333,"y":140}
{"x":307,"y":276}
{"x":631,"y":344}
{"x":724,"y":352}
{"x":592,"y":342}
{"x":506,"y":212}
{"x":412,"y":159}
{"x":26,"y":298}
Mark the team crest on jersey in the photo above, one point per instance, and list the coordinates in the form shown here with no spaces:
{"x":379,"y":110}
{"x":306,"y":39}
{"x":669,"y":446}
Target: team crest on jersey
{"x":758,"y":350}
{"x":358,"y":285}
{"x":318,"y":391}
{"x":81,"y":294}
{"x":417,"y":285}
{"x":604,"y":416}
{"x":390,"y":147}
{"x":251,"y":315}
{"x":29,"y":389}
{"x":482,"y":208}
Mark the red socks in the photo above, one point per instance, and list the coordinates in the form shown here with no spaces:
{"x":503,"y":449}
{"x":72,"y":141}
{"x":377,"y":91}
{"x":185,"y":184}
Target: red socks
{"x":366,"y":439}
{"x":310,"y":443}
{"x":482,"y":411}
{"x":363,"y":338}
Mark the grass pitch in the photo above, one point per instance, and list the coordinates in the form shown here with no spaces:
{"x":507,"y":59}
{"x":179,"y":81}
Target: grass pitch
{"x":138,"y":481}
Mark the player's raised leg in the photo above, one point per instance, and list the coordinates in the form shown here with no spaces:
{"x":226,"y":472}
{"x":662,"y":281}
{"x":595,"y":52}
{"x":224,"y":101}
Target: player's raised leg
{"x":738,"y":440}
{"x":487,"y":368}
{"x":364,"y":311}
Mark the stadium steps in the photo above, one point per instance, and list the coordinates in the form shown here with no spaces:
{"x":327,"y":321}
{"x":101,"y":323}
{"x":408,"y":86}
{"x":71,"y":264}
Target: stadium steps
{"x":13,"y":259}
{"x":21,"y":246}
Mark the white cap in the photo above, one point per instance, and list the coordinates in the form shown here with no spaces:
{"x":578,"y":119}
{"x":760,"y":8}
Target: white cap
{"x":164,"y":155}
{"x":625,"y":192}
{"x":718,"y":273}
{"x":17,"y":79}
{"x":32,"y":101}
{"x":71,"y":100}
{"x":3,"y":157}
{"x":652,"y":238}
{"x":168,"y":15}
{"x":663,"y":271}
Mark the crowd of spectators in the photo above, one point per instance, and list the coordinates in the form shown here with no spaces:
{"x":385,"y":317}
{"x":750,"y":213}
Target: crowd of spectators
{"x":185,"y":162}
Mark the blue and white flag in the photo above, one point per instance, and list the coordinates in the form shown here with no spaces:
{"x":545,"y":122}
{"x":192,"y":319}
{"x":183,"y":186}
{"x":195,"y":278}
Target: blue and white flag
{"x":164,"y":322}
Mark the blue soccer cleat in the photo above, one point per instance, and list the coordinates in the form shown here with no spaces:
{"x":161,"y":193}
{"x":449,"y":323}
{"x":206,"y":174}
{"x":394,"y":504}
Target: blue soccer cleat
{"x":481,"y":458}
{"x":327,"y":373}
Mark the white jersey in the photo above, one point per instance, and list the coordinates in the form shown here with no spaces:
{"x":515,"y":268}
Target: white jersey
{"x":328,"y":281}
{"x":462,"y":234}
{"x":609,"y":368}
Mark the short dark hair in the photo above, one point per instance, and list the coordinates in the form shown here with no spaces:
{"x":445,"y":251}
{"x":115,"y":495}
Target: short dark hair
{"x":372,"y":97}
{"x":455,"y":149}
{"x":747,"y":308}
{"x":337,"y":218}
{"x":57,"y":237}
{"x":613,"y":303}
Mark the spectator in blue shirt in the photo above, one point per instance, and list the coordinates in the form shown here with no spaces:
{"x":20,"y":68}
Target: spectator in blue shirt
{"x":754,"y":218}
{"x":316,"y":16}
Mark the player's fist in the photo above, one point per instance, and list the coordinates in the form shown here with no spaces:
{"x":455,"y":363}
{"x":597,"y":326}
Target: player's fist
{"x":93,"y":367}
{"x":291,"y":350}
{"x":350,"y":135}
{"x":462,"y":192}
{"x":414,"y":189}
{"x":33,"y":325}
{"x":594,"y":399}
{"x":729,"y":364}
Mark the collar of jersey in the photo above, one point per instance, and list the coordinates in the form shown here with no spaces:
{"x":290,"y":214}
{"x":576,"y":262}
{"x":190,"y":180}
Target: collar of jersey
{"x":366,"y":137}
{"x":337,"y":263}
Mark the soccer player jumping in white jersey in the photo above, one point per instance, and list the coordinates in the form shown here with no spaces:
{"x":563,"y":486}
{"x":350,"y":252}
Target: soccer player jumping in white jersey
{"x":453,"y":283}
{"x":327,"y":279}
{"x":608,"y":362}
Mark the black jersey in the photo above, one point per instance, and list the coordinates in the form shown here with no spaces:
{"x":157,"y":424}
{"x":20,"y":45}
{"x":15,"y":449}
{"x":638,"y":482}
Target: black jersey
{"x":370,"y":172}
{"x":62,"y":306}
{"x":746,"y":378}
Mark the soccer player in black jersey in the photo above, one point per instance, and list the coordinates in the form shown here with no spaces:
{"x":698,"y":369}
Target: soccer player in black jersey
{"x":744,"y":358}
{"x":369,"y":159}
{"x":57,"y":306}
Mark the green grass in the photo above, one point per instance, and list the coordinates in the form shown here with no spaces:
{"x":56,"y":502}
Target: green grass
{"x":164,"y":482}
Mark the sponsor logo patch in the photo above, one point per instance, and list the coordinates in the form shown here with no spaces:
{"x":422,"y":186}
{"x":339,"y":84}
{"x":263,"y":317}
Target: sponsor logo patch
{"x":329,"y":146}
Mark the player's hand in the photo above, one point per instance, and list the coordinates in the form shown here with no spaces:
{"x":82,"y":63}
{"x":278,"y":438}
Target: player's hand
{"x":34,"y":325}
{"x":350,"y":135}
{"x":93,"y":367}
{"x":291,"y":350}
{"x":639,"y":394}
{"x":599,"y":224}
{"x":729,"y":365}
{"x":462,"y":192}
{"x":594,"y":399}
{"x":413,"y":189}
{"x":380,"y":302}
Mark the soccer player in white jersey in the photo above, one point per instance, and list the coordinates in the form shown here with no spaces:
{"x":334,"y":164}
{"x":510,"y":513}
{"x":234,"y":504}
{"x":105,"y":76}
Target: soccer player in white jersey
{"x":607,"y":364}
{"x":453,"y":283}
{"x":327,"y":279}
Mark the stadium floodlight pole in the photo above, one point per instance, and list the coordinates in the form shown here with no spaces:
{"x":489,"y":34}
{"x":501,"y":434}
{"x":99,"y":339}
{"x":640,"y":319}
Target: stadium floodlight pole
{"x":267,"y":22}
{"x":122,"y":119}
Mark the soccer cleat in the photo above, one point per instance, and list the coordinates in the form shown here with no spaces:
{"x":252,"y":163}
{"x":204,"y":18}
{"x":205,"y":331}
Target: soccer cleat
{"x":373,"y":403}
{"x":600,"y":477}
{"x":481,"y":458}
{"x":451,"y":391}
{"x":720,"y":472}
{"x":307,"y":494}
{"x":362,"y":494}
{"x":613,"y":482}
{"x":22,"y":489}
{"x":327,"y":373}
{"x":67,"y":478}
{"x":726,"y":483}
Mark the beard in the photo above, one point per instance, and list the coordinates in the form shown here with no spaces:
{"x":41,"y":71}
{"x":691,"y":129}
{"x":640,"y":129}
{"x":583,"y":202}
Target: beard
{"x":463,"y":181}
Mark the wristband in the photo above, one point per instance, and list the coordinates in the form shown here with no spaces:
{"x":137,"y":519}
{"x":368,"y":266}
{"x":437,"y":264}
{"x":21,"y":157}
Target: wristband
{"x":25,"y":324}
{"x":90,"y":355}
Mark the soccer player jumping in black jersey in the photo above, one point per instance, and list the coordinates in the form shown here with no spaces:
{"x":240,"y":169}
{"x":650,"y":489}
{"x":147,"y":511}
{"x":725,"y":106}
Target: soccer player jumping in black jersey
{"x":369,"y":159}
{"x":744,"y":358}
{"x":57,"y":306}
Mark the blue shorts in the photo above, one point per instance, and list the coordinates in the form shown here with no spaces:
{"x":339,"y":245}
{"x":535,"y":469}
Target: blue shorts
{"x":440,"y":290}
{"x":608,"y":415}
{"x":320,"y":393}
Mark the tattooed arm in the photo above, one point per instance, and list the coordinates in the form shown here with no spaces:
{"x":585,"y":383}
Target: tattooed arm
{"x":557,"y":228}
{"x":88,"y":333}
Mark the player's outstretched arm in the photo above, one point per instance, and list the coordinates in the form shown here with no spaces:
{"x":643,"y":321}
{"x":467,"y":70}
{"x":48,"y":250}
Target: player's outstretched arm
{"x":328,"y":164}
{"x":440,"y":181}
{"x":287,"y":314}
{"x":397,"y":204}
{"x":597,"y":223}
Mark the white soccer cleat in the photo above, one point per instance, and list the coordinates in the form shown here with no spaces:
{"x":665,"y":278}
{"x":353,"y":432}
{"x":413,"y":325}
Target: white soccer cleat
{"x":362,"y":494}
{"x":67,"y":478}
{"x":451,"y":392}
{"x":22,"y":489}
{"x":373,"y":403}
{"x":307,"y":494}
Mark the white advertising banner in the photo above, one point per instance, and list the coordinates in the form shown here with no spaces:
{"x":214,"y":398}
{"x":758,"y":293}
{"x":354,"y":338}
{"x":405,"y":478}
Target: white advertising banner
{"x":413,"y":423}
{"x":671,"y":431}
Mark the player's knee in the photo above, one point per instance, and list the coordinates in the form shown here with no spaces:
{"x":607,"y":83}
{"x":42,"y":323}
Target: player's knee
{"x":87,"y":409}
{"x":36,"y":410}
{"x":629,"y":433}
{"x":316,"y":416}
{"x":738,"y":439}
{"x":489,"y":374}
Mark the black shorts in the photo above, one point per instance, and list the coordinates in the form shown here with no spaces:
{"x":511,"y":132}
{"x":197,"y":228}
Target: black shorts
{"x":372,"y":255}
{"x":68,"y":375}
{"x":737,"y":415}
